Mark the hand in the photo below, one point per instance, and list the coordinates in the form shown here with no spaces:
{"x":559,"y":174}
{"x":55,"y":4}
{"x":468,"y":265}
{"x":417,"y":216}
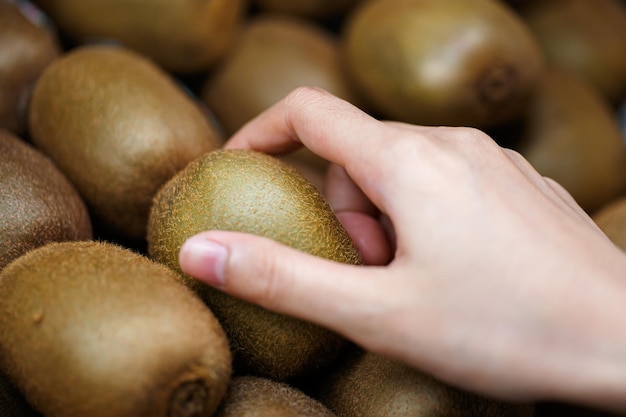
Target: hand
{"x":500,"y":283}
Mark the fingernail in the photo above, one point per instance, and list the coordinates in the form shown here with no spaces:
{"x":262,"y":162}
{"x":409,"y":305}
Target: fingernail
{"x":204,"y":260}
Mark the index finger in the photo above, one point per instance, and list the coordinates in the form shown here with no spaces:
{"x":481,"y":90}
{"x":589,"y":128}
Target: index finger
{"x":329,"y":126}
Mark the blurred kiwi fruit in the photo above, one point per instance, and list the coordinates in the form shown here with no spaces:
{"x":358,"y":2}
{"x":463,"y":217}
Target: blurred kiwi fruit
{"x":26,"y":48}
{"x":12,"y":402}
{"x":118,"y":126}
{"x":183,"y":36}
{"x":571,"y":134}
{"x":94,"y":329}
{"x":368,"y":384}
{"x":250,"y":396}
{"x":611,"y":218}
{"x":315,"y":9}
{"x":273,"y":55}
{"x":252,"y":192}
{"x":587,"y":38}
{"x":442,"y":62}
{"x":38,"y":204}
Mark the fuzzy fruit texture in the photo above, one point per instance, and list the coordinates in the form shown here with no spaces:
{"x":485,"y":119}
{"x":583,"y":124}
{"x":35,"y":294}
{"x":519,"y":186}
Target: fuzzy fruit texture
{"x":38,"y":204}
{"x":368,"y":384}
{"x":118,"y":127}
{"x":94,"y":329}
{"x":252,"y":192}
{"x":250,"y":396}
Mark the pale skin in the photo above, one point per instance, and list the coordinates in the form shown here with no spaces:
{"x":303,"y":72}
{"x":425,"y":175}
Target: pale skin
{"x":482,"y":272}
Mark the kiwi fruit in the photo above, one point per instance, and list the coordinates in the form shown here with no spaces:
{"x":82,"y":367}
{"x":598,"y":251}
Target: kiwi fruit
{"x":252,"y":192}
{"x":118,"y":126}
{"x":587,"y":38}
{"x":368,"y":384}
{"x":273,"y":55}
{"x":571,"y":134}
{"x":12,"y":402}
{"x":611,"y":218}
{"x":250,"y":396}
{"x":94,"y":329}
{"x":38,"y":204}
{"x":25,"y":50}
{"x":183,"y":36}
{"x":315,"y":9}
{"x":442,"y":62}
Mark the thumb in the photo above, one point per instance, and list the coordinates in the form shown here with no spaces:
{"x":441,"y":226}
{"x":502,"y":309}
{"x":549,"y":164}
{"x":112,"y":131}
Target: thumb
{"x":285,"y":280}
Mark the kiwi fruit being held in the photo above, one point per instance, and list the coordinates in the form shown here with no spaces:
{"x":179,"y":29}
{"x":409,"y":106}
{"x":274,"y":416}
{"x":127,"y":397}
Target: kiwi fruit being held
{"x":38,"y":204}
{"x":25,"y":50}
{"x":248,"y":191}
{"x":442,"y":62}
{"x":587,"y":38}
{"x":118,"y":126}
{"x":182,"y":36}
{"x":94,"y":329}
{"x":250,"y":396}
{"x":366,"y":384}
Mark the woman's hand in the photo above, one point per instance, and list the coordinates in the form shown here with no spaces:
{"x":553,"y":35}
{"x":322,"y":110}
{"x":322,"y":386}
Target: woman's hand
{"x":500,"y":283}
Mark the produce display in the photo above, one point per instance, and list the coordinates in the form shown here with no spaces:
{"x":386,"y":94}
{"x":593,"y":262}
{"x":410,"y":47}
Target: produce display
{"x":112,"y":119}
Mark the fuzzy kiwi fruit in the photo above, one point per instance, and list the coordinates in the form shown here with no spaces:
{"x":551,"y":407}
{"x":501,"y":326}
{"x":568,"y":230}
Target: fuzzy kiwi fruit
{"x":25,"y":50}
{"x":442,"y":62}
{"x":571,"y":134}
{"x":248,"y":191}
{"x":611,"y":218}
{"x":119,"y":127}
{"x":12,"y":402}
{"x":94,"y":329}
{"x":372,"y":385}
{"x":38,"y":204}
{"x":250,"y":396}
{"x":587,"y":38}
{"x":183,"y":36}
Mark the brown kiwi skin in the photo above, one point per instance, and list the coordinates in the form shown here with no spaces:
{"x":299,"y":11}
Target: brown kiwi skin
{"x":250,"y":396}
{"x":273,"y":55}
{"x":95,"y":329}
{"x":369,"y":384}
{"x":184,"y":36}
{"x":442,"y":62}
{"x":12,"y":402}
{"x":571,"y":135}
{"x":586,"y":38}
{"x":25,"y":50}
{"x":251,"y":192}
{"x":38,"y":204}
{"x":119,"y":127}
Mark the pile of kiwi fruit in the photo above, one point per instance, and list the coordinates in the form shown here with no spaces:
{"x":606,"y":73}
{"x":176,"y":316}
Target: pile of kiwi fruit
{"x":112,"y":119}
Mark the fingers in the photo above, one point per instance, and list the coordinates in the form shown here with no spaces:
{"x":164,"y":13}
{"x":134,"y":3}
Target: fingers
{"x":329,"y":126}
{"x":284,"y":280}
{"x":358,"y":215}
